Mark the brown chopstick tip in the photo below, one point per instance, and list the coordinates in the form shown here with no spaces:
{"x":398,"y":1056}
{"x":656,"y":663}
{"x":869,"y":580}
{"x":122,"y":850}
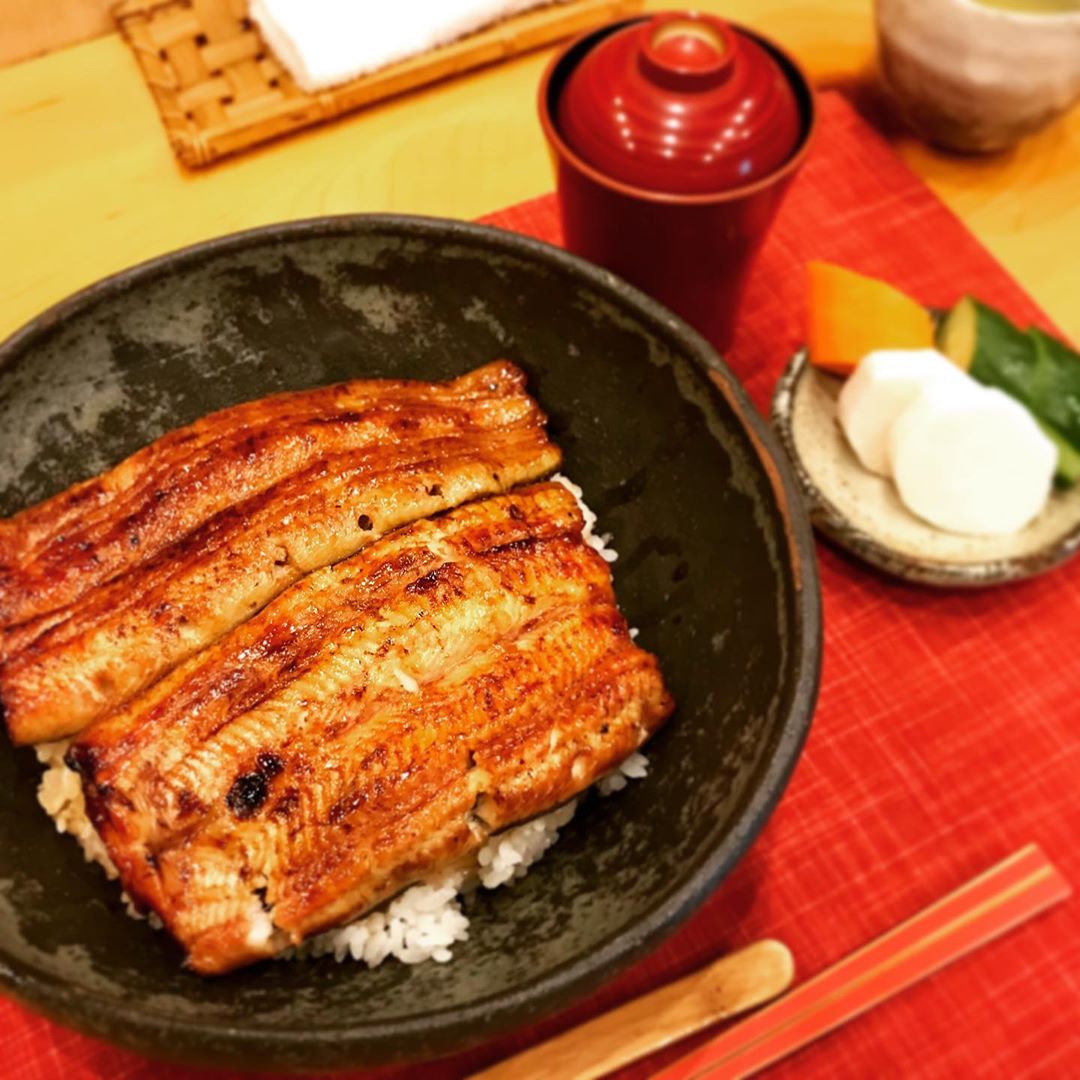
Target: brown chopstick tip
{"x":768,"y":969}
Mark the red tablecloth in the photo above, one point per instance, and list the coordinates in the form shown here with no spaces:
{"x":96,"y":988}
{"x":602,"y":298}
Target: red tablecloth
{"x":947,"y":735}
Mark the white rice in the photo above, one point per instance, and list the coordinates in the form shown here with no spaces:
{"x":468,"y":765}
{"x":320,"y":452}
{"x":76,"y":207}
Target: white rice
{"x":600,"y":541}
{"x":61,"y":796}
{"x":635,"y":767}
{"x":422,"y":923}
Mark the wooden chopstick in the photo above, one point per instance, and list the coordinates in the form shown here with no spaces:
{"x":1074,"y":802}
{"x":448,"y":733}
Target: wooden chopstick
{"x":998,"y":900}
{"x":725,"y":988}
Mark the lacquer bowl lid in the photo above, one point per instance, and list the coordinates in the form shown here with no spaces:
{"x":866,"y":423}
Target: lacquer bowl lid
{"x":681,"y":103}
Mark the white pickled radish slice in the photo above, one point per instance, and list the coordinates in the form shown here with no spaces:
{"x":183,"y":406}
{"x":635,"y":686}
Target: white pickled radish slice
{"x":881,"y":387}
{"x":971,"y":462}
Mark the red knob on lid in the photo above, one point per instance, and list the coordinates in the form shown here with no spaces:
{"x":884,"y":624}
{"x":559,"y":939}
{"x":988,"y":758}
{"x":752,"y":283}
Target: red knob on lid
{"x":680,"y":103}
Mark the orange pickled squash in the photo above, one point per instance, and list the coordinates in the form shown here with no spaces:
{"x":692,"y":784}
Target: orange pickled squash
{"x":850,"y":315}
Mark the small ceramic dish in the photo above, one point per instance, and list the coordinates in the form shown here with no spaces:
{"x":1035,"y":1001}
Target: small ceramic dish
{"x":862,"y":512}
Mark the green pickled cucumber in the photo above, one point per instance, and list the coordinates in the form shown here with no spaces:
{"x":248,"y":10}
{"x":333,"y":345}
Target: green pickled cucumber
{"x":989,"y":348}
{"x":1067,"y":471}
{"x":1056,"y":394}
{"x":1041,"y":372}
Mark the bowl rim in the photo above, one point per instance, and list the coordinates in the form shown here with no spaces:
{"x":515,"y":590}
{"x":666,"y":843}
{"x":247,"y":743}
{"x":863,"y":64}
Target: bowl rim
{"x":441,"y":1032}
{"x":803,"y":87}
{"x":1019,"y":18}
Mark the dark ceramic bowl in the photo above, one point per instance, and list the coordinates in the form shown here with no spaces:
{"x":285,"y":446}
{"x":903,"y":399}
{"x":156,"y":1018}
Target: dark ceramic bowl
{"x":716,"y":568}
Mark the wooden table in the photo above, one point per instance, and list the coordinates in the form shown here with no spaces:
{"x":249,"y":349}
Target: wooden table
{"x":88,"y":184}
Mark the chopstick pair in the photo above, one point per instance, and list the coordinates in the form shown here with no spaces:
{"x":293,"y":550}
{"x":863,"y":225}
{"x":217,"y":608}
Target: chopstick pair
{"x":993,"y":903}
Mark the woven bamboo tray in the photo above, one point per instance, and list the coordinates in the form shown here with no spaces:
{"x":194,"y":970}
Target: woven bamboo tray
{"x":219,"y":88}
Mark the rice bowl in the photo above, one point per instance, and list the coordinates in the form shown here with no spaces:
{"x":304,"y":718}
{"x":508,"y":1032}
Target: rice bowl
{"x":711,"y":538}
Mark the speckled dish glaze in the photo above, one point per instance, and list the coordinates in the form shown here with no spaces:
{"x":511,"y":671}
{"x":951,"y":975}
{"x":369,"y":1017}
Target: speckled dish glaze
{"x":862,"y":512}
{"x":716,"y":569}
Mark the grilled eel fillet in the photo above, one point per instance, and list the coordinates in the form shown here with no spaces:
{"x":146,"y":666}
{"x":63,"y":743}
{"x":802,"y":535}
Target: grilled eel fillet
{"x":372,"y":725}
{"x":107,"y":587}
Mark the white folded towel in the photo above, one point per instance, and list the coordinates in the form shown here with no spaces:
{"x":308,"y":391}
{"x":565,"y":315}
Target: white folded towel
{"x":325,"y":42}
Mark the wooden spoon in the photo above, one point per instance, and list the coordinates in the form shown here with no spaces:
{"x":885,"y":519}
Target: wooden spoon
{"x":728,"y":986}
